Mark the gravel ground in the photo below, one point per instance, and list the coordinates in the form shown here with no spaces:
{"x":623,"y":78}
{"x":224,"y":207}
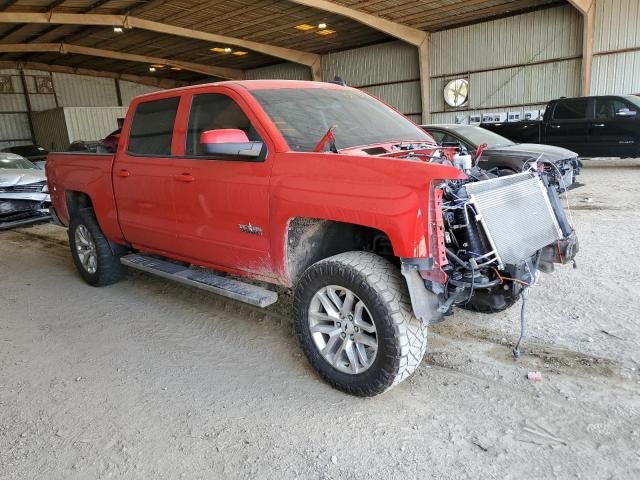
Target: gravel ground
{"x":147,"y":379}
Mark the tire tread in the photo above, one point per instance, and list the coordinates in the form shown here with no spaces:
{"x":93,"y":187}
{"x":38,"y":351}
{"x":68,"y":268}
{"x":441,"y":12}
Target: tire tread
{"x":409,"y":332}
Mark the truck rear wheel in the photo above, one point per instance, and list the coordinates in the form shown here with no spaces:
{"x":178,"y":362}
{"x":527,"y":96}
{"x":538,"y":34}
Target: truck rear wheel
{"x":355,"y":324}
{"x":96,"y":259}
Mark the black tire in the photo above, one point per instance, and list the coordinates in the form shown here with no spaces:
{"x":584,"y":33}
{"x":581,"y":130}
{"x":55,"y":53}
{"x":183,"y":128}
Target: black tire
{"x":401,"y":336}
{"x":109,"y":269}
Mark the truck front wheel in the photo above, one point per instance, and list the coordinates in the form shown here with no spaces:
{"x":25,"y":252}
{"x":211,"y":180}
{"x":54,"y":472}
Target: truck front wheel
{"x":96,"y":259}
{"x":355,"y":324}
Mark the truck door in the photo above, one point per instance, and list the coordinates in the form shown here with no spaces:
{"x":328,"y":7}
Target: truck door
{"x":222,"y":203}
{"x":613,"y":129}
{"x":142,"y":177}
{"x":568,"y":124}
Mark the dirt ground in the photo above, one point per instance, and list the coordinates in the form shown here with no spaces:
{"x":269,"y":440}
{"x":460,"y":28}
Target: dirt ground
{"x":147,"y":379}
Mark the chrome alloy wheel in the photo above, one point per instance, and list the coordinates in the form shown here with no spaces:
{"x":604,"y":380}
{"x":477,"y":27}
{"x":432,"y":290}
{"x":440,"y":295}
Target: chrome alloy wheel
{"x":86,"y":248}
{"x":342,"y":329}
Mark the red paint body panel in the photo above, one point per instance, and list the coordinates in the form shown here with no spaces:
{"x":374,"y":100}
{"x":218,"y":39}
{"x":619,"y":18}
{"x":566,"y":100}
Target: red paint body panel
{"x":199,"y":210}
{"x":227,"y":135}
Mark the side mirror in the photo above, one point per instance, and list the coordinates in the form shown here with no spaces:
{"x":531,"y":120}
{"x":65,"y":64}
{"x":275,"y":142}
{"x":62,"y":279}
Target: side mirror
{"x":625,"y":112}
{"x":230,"y":144}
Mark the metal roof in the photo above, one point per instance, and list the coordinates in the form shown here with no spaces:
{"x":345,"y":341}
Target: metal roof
{"x":269,"y":22}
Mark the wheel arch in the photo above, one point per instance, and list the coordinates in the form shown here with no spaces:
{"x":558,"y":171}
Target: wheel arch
{"x":77,"y":201}
{"x":309,"y":240}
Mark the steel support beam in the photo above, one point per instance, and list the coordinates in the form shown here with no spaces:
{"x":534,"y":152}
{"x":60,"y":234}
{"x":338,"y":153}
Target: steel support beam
{"x":312,"y":60}
{"x":64,"y":48}
{"x":46,"y":67}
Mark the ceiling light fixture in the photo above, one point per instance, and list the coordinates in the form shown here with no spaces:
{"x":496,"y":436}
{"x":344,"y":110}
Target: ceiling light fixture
{"x":240,"y":53}
{"x":152,"y":69}
{"x":177,"y":69}
{"x":326,"y":31}
{"x":157,"y":65}
{"x":227,"y":50}
{"x":117,"y":29}
{"x":322,"y":25}
{"x":304,"y":27}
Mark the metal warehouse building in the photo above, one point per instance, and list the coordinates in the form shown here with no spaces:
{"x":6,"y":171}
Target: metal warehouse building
{"x":319,"y":239}
{"x":515,"y":55}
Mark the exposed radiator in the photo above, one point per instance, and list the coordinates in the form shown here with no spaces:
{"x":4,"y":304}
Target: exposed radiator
{"x":516,"y":214}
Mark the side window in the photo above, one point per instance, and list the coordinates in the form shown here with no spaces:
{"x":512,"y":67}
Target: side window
{"x":152,"y":127}
{"x":623,"y":109}
{"x":604,"y":109}
{"x":213,"y":111}
{"x":437,"y":136}
{"x":571,"y":110}
{"x":451,"y":140}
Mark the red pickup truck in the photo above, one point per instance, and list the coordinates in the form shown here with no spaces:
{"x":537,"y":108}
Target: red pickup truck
{"x":317,"y":187}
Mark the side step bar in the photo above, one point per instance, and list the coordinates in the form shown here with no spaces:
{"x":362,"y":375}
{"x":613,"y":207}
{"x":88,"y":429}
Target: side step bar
{"x":204,"y":279}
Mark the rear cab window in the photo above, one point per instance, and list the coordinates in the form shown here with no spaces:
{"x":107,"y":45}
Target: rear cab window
{"x":152,"y":126}
{"x":571,"y":109}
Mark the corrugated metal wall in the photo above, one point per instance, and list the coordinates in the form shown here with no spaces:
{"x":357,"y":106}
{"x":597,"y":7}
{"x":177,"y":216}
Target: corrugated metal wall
{"x":513,"y":64}
{"x":55,"y":129}
{"x":69,"y":91}
{"x":532,"y":37}
{"x":130,"y":90}
{"x":617,"y":23}
{"x":615,"y":71}
{"x":90,"y":123}
{"x":388,"y":71}
{"x":281,"y":71}
{"x":50,"y":129}
{"x":384,"y":63}
{"x":84,"y":91}
{"x":13,"y":126}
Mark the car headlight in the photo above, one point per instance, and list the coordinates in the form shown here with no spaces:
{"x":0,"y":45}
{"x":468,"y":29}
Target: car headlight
{"x":45,"y":189}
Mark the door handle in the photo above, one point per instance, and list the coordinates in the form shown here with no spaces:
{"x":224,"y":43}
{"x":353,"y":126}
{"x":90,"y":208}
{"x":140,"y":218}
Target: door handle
{"x":597,"y":124}
{"x":184,"y":177}
{"x":124,"y":173}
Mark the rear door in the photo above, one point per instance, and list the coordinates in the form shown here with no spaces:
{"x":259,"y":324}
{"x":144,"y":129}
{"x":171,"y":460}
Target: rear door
{"x":142,"y":177}
{"x":222,"y":205}
{"x":613,"y":129}
{"x":568,"y":125}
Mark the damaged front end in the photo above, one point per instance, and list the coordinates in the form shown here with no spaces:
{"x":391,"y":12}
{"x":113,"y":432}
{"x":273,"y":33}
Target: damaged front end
{"x":23,"y":203}
{"x":493,"y":235}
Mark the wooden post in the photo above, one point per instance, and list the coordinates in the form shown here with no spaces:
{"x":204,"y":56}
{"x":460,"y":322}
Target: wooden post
{"x":588,"y":10}
{"x":425,"y":79}
{"x":587,"y":49}
{"x":27,"y":100}
{"x":118,"y":92}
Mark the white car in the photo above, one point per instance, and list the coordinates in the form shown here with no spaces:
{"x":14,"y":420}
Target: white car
{"x":24,"y":196}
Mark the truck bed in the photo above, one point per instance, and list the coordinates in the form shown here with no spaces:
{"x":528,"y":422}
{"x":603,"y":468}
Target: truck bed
{"x":84,"y":173}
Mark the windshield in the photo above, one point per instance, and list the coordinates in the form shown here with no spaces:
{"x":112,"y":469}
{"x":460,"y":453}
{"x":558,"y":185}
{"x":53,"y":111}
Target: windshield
{"x":304,"y":115}
{"x":477,"y":136}
{"x":633,"y":99}
{"x":16,"y":162}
